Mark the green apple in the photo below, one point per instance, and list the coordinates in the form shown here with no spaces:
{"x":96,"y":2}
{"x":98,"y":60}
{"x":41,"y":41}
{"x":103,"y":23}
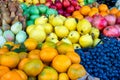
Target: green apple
{"x":84,"y":26}
{"x":95,"y":32}
{"x":76,"y":46}
{"x":48,"y":28}
{"x":86,"y":41}
{"x":73,"y":36}
{"x":66,"y":40}
{"x":70,"y":23}
{"x":61,"y":31}
{"x":51,"y":36}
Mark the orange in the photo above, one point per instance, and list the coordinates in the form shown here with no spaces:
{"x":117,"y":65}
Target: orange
{"x":103,"y":7}
{"x":34,"y":54}
{"x":63,"y":76}
{"x":85,"y":10}
{"x":103,"y":13}
{"x":76,"y":71}
{"x":118,"y":14}
{"x":79,"y":17}
{"x":61,"y":63}
{"x":47,"y":54}
{"x":30,"y":44}
{"x":92,"y":13}
{"x":33,"y":67}
{"x":3,"y":50}
{"x":3,"y":70}
{"x":75,"y":13}
{"x":23,"y":55}
{"x":48,"y":73}
{"x":10,"y":59}
{"x":22,"y":62}
{"x":114,"y":11}
{"x":74,"y":57}
{"x":21,"y":73}
{"x":95,"y":9}
{"x":11,"y":75}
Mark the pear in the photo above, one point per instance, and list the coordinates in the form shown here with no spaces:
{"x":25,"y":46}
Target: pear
{"x":54,"y":40}
{"x":74,"y":36}
{"x":95,"y":32}
{"x":66,"y":40}
{"x":39,"y":27}
{"x":61,"y":31}
{"x":48,"y":44}
{"x":38,"y":35}
{"x":51,"y":36}
{"x":41,"y":20}
{"x":76,"y":46}
{"x":57,"y":21}
{"x":48,"y":28}
{"x":29,"y":28}
{"x":84,"y":26}
{"x":86,"y":41}
{"x":70,"y":23}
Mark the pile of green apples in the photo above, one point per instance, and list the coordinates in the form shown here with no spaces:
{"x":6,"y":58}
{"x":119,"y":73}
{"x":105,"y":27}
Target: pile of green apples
{"x":33,"y":11}
{"x":80,"y":33}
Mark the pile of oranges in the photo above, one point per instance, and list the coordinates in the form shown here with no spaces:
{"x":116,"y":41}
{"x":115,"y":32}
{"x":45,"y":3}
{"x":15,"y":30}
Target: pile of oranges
{"x":102,"y":9}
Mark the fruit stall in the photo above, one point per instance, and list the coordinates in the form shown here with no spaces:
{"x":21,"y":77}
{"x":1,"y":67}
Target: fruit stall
{"x":59,"y":39}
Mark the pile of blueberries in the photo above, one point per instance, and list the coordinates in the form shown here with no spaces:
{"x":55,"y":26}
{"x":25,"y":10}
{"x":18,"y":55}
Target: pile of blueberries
{"x":102,"y":61}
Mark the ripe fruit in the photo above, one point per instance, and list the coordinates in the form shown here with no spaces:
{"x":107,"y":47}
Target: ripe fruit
{"x":48,"y":54}
{"x":34,"y":54}
{"x":111,"y":19}
{"x":3,"y":50}
{"x":74,"y":57}
{"x":9,"y":59}
{"x":63,"y":76}
{"x":103,"y":7}
{"x":94,"y":33}
{"x":3,"y":70}
{"x":74,"y":36}
{"x":61,"y":31}
{"x":70,"y":9}
{"x":84,"y":26}
{"x":30,"y":44}
{"x":76,"y":71}
{"x":70,"y":23}
{"x":86,"y":41}
{"x":61,"y":63}
{"x":66,"y":3}
{"x":48,"y":73}
{"x":33,"y":67}
{"x":85,"y":10}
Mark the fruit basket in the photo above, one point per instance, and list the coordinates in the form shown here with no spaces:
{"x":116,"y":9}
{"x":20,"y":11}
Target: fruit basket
{"x":59,"y":40}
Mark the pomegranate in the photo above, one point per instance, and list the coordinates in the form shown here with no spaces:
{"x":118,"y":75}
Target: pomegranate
{"x":77,"y":7}
{"x":53,"y":6}
{"x":90,"y":19}
{"x":99,"y":22}
{"x":111,"y":31}
{"x":60,"y":11}
{"x":58,"y":4}
{"x":74,"y":3}
{"x":70,"y":9}
{"x":111,"y":19}
{"x":118,"y":20}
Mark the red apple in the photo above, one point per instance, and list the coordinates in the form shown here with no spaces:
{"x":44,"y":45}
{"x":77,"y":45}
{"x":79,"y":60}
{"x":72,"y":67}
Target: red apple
{"x":70,"y":9}
{"x":60,"y":11}
{"x":74,"y":3}
{"x":53,"y":6}
{"x":66,"y":3}
{"x":77,"y":7}
{"x":58,"y":5}
{"x":118,"y":20}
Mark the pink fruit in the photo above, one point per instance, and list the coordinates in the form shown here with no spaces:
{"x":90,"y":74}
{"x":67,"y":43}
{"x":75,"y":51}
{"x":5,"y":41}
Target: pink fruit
{"x":90,"y":19}
{"x":118,"y":28}
{"x":111,"y":31}
{"x":66,"y":3}
{"x":118,"y":20}
{"x":111,"y":19}
{"x":70,"y":9}
{"x":99,"y":22}
{"x":77,"y":7}
{"x":58,"y":5}
{"x":60,"y":11}
{"x":74,"y":3}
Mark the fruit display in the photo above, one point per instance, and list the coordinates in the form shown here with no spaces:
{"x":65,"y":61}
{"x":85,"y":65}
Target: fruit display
{"x":59,"y":40}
